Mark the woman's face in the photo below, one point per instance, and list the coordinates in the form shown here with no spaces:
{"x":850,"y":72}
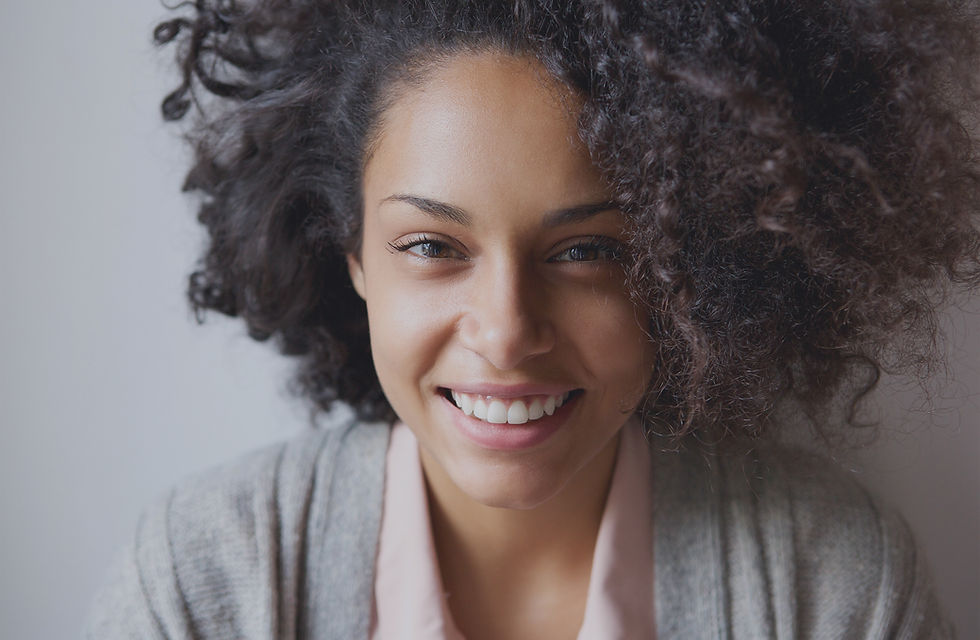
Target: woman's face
{"x":500,"y":327}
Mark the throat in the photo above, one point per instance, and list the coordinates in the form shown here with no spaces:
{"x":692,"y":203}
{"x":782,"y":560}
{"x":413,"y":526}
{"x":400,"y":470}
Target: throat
{"x":506,"y":586}
{"x":530,"y":605}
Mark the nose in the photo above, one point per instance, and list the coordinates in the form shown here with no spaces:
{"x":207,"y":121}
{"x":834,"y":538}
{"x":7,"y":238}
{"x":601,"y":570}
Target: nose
{"x":506,"y":320}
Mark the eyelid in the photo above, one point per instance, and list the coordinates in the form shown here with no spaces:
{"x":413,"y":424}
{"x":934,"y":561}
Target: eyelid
{"x":604,"y":243}
{"x":591,"y":242}
{"x":416,"y":239}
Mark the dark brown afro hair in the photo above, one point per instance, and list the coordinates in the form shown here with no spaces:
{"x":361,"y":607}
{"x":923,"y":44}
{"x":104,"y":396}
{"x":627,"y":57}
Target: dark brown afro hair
{"x":799,"y":178}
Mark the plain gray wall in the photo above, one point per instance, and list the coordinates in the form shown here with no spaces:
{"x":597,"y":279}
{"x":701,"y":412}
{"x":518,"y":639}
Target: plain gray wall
{"x":109,"y":392}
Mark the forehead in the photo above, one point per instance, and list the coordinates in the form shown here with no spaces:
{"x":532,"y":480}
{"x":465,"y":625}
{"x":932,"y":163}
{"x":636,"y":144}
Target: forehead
{"x":489,"y":122}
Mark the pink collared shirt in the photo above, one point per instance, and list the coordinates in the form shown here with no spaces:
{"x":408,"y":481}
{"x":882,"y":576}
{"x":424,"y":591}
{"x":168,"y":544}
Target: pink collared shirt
{"x":409,"y":600}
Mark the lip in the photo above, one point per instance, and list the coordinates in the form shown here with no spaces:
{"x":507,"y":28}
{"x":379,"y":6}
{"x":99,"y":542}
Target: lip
{"x":509,"y":437}
{"x":509,"y":390}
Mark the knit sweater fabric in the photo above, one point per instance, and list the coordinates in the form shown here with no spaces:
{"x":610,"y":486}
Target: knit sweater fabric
{"x":282,"y":543}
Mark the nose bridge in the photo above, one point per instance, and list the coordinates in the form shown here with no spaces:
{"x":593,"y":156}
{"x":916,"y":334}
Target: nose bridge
{"x":508,"y":320}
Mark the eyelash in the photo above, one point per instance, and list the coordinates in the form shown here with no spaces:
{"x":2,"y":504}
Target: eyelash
{"x":420,"y":240}
{"x":612,"y":249}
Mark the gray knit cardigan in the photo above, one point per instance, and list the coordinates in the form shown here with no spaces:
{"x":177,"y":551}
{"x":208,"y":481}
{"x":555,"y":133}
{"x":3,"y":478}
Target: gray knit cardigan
{"x":281,"y":544}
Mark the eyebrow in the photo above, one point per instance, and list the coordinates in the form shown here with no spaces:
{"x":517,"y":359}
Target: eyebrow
{"x":452,"y":213}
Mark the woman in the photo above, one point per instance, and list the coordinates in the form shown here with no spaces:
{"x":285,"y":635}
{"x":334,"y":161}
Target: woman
{"x":518,"y":237}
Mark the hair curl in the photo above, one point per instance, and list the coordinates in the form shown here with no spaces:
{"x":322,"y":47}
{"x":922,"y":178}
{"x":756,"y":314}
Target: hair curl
{"x":799,"y":178}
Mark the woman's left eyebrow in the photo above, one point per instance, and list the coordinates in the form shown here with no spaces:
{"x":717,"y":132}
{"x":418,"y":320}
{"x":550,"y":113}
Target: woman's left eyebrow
{"x":452,"y":213}
{"x":571,"y":215}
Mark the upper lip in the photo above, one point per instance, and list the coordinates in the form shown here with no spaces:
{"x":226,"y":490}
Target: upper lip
{"x":510,"y":390}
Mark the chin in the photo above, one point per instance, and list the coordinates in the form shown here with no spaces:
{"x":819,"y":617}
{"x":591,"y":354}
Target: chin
{"x":505,"y":486}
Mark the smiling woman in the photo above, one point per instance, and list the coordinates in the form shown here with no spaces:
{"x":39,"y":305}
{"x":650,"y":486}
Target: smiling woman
{"x":501,"y":328}
{"x":574,"y":266}
{"x":505,"y":293}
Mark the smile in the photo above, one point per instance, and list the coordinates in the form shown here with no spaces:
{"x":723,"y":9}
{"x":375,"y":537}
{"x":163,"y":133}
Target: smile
{"x":507,"y":410}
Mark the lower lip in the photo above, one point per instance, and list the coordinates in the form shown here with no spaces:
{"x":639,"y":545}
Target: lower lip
{"x":509,"y":437}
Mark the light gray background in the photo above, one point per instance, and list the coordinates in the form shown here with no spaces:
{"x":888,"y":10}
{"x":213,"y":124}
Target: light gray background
{"x":109,"y":392}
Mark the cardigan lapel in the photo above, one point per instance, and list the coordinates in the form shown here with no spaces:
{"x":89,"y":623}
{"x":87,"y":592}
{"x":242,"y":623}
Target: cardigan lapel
{"x":344,"y":524}
{"x":689,"y":598}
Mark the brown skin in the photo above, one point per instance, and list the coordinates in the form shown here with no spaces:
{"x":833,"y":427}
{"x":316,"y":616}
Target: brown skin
{"x":505,"y":299}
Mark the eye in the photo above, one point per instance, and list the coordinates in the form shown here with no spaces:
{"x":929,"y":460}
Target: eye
{"x":594,"y":249}
{"x":426,"y":248}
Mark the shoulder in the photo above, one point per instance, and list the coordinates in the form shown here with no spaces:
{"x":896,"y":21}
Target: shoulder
{"x":782,"y":543}
{"x":849,"y":560}
{"x":221,"y":553}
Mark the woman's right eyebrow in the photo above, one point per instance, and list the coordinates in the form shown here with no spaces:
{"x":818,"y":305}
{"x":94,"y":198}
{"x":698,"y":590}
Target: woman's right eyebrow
{"x":451,"y":213}
{"x":434,"y":208}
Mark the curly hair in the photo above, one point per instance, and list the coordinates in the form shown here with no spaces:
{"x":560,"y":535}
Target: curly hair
{"x":799,"y":179}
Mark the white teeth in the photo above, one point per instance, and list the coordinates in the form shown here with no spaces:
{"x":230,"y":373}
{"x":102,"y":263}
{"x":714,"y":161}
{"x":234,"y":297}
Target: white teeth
{"x":497,"y":412}
{"x":480,"y":409}
{"x":517,"y":413}
{"x":504,"y":411}
{"x":536,"y":410}
{"x":549,"y":405}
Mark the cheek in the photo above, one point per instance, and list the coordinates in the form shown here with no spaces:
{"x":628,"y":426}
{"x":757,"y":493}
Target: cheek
{"x":409,"y":329}
{"x":613,"y":344}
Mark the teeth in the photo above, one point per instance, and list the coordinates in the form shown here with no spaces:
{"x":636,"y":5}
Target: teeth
{"x":517,"y":414}
{"x":536,"y":410}
{"x":480,"y":409}
{"x":498,"y":411}
{"x":549,"y":405}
